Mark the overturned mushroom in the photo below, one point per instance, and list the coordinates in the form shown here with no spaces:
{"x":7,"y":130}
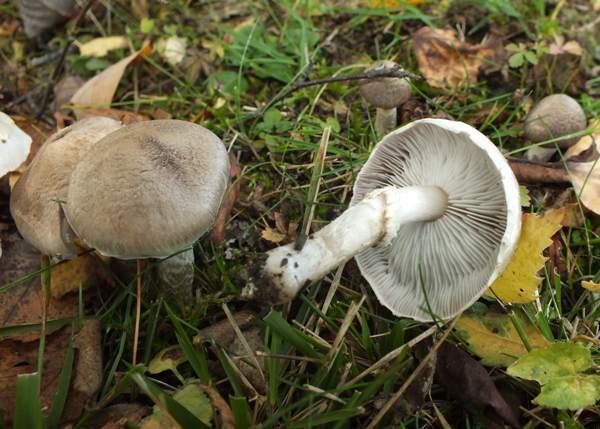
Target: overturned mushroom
{"x":552,"y":117}
{"x":386,"y":94}
{"x":35,"y":201}
{"x":150,"y":190}
{"x":434,"y":220}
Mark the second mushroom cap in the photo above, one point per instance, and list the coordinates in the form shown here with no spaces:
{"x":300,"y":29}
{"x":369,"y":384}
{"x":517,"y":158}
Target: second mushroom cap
{"x":149,"y":189}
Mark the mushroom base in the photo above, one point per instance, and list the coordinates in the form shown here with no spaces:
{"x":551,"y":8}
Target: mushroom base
{"x":372,"y":222}
{"x":385,"y":121}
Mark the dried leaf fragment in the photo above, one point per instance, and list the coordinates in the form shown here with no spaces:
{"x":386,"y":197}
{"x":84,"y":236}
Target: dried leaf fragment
{"x":447,"y":62}
{"x":101,"y":46}
{"x":466,"y":380}
{"x":100,"y":90}
{"x":591,"y":286}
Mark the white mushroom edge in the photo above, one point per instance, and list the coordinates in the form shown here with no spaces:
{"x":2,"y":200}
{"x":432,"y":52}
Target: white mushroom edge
{"x":14,"y":145}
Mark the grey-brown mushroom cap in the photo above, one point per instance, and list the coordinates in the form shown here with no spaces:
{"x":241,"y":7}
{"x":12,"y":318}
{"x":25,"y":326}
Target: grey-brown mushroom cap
{"x":555,"y":116}
{"x":35,"y":201}
{"x":149,"y":189}
{"x":386,"y":92}
{"x":439,"y":268}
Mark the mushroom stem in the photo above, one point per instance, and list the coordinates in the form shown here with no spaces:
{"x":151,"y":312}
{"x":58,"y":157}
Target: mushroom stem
{"x":373,"y":221}
{"x":540,"y":154}
{"x":138,"y":310}
{"x":385,"y":121}
{"x":176,"y":274}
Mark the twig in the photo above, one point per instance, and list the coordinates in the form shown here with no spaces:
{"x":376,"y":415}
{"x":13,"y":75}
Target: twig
{"x":538,"y":172}
{"x":63,"y":56}
{"x":375,"y":73}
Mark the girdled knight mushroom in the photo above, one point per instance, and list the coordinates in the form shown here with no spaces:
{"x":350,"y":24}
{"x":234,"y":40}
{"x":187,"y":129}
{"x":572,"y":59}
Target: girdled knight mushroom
{"x":434,"y":220}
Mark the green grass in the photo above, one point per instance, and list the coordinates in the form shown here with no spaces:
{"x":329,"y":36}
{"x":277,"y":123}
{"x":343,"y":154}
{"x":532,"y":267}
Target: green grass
{"x":324,"y":365}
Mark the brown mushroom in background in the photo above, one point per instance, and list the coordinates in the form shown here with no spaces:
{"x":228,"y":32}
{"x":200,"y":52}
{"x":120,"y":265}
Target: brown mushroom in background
{"x":552,"y":117}
{"x":386,"y":94}
{"x":37,"y":197}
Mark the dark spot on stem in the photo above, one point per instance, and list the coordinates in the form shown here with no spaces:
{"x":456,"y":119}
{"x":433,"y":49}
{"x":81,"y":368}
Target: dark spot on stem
{"x":284,"y":262}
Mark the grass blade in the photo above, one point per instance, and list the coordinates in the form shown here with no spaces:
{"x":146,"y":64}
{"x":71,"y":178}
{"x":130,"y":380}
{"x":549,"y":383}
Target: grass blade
{"x":28,"y":409}
{"x":195,"y":356}
{"x":64,"y":382}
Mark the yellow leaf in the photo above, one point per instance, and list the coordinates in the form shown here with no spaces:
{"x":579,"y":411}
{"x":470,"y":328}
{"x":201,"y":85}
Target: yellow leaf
{"x":101,"y":46}
{"x":493,"y":337}
{"x":591,"y":286}
{"x":69,"y":275}
{"x":272,"y":235}
{"x":519,"y":282}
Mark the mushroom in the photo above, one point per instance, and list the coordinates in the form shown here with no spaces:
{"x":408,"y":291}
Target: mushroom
{"x":35,"y":201}
{"x":150,"y":190}
{"x":14,"y":145}
{"x":552,"y":117}
{"x":386,"y":94}
{"x":434,"y":220}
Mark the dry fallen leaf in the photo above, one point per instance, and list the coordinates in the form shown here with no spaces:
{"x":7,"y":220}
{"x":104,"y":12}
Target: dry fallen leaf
{"x":21,"y":358}
{"x":70,"y":275}
{"x":100,"y":90}
{"x":586,"y":149}
{"x":466,"y":380}
{"x":591,"y":286}
{"x":559,"y":46}
{"x":519,"y":282}
{"x":101,"y":46}
{"x":17,"y":358}
{"x":585,"y":177}
{"x":493,"y":337}
{"x":447,"y":62}
{"x":22,"y":304}
{"x":272,"y":235}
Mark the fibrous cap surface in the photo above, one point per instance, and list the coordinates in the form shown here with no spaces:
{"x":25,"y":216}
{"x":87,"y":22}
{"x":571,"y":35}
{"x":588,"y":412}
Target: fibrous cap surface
{"x":555,"y":116}
{"x":386,"y":92}
{"x":149,"y":189}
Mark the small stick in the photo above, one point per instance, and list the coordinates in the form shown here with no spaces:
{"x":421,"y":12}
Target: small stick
{"x":538,"y":172}
{"x":138,"y":310}
{"x":376,"y":73}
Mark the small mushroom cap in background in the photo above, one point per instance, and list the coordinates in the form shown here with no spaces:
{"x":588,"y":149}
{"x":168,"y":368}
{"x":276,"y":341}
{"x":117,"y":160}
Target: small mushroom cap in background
{"x":448,"y":262}
{"x":14,"y":145}
{"x":35,"y":199}
{"x":555,"y":116}
{"x":149,"y":189}
{"x":385,"y":92}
